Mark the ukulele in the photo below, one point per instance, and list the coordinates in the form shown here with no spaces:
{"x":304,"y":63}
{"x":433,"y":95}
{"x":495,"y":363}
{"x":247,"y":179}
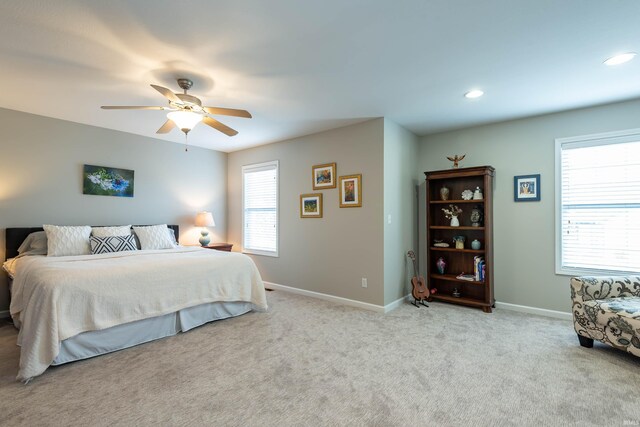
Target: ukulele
{"x":419,"y":291}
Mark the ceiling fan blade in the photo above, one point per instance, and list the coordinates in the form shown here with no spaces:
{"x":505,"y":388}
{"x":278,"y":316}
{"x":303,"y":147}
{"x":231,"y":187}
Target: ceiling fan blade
{"x":167,"y":93}
{"x":166,"y":127}
{"x":131,"y":107}
{"x":227,"y":112}
{"x":219,"y":126}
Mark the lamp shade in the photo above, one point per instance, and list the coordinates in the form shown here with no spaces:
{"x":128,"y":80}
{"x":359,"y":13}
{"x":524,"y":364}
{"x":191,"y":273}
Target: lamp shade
{"x":185,"y":119}
{"x":205,"y":219}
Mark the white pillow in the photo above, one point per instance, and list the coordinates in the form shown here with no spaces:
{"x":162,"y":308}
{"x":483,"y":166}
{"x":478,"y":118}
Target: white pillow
{"x":67,"y":240}
{"x":154,"y":237}
{"x":34,"y":241}
{"x":124,"y":230}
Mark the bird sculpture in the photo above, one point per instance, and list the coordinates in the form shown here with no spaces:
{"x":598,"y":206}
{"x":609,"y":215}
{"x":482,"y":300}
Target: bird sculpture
{"x":455,"y":159}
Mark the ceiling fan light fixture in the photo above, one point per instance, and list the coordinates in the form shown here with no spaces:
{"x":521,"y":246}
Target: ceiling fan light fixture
{"x":620,"y":59}
{"x":185,"y":120}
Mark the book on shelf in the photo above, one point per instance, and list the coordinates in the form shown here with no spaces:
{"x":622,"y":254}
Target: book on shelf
{"x":478,"y":268}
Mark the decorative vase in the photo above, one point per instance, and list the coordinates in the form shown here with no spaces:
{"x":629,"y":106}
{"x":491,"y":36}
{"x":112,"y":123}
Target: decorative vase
{"x":455,"y":222}
{"x":444,"y":193}
{"x":475,"y":244}
{"x":441,"y":265}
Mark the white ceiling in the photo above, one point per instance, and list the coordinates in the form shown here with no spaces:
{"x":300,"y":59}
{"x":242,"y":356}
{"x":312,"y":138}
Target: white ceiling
{"x":305,"y":66}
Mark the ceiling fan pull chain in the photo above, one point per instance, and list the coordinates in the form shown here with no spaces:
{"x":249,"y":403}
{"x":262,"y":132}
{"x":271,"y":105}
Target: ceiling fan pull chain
{"x":186,"y":142}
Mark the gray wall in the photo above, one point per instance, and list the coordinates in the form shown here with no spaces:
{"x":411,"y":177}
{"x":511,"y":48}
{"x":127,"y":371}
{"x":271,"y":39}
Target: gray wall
{"x":400,"y":236}
{"x":524,"y":234}
{"x":41,"y":163}
{"x":328,"y":255}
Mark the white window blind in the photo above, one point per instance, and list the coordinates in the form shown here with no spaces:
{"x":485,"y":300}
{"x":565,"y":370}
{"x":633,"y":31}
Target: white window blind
{"x":599,"y":205}
{"x":260,"y":208}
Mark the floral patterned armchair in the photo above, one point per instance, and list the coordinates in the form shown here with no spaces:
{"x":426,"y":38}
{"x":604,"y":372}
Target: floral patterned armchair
{"x":607,"y":309}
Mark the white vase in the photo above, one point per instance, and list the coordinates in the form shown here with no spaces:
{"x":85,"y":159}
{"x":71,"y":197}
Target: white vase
{"x":455,"y":222}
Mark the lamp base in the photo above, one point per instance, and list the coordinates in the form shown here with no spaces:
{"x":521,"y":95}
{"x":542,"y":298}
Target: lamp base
{"x":204,"y":238}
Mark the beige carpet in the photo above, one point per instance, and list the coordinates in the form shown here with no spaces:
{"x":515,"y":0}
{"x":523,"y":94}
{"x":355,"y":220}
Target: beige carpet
{"x":308,"y":362}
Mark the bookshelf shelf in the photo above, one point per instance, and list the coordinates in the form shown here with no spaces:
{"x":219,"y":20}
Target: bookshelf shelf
{"x":452,"y":278}
{"x":462,"y":300}
{"x":448,"y":227}
{"x":455,"y":202}
{"x":469,"y":251}
{"x":473,"y":293}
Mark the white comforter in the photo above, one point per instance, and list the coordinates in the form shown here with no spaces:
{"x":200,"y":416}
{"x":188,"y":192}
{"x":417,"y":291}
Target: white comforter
{"x":55,"y":298}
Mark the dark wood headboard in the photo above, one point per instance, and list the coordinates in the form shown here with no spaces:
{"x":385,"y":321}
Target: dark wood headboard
{"x":15,"y":236}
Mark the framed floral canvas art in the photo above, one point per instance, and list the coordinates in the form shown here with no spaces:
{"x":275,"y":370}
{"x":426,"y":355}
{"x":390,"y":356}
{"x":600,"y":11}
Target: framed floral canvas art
{"x":106,"y":181}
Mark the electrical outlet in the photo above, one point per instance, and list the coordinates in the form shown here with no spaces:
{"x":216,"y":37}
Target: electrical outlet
{"x":364,"y":282}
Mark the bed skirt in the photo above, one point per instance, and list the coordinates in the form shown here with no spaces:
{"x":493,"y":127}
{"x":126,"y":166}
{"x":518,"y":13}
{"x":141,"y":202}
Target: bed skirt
{"x":95,"y":343}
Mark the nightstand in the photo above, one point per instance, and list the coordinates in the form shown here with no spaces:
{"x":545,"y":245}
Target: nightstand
{"x":220,"y":246}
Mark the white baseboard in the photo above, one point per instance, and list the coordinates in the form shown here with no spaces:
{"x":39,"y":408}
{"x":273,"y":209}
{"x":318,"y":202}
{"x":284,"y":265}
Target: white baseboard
{"x":395,"y":304}
{"x":4,"y":314}
{"x":346,"y":301}
{"x":534,"y":310}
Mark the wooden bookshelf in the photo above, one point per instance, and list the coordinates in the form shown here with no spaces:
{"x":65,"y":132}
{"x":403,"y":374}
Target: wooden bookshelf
{"x":473,"y":293}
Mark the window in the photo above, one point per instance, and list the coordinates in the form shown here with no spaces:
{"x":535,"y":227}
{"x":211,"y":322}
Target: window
{"x":260,"y":208}
{"x":598,"y":203}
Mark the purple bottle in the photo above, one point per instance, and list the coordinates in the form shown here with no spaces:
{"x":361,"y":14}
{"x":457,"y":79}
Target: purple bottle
{"x":441,"y":265}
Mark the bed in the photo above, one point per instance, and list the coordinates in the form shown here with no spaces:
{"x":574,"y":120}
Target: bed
{"x":70,"y":308}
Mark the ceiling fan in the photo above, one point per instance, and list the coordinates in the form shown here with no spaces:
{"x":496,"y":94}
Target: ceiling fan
{"x":186,"y":111}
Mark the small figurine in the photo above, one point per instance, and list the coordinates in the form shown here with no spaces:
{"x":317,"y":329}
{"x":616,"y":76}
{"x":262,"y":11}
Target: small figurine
{"x":455,"y":159}
{"x":477,"y":195}
{"x":456,"y":293}
{"x":476,"y":217}
{"x":441,"y":265}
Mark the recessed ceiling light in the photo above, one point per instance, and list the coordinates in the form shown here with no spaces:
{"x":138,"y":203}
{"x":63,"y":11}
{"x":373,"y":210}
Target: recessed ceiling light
{"x":476,"y":93}
{"x":620,"y":59}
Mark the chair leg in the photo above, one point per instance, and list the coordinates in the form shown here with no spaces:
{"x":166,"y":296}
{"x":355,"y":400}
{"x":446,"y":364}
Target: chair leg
{"x":585,"y":342}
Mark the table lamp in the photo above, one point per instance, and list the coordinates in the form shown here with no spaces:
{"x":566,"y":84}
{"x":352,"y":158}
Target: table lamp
{"x":204,"y":219}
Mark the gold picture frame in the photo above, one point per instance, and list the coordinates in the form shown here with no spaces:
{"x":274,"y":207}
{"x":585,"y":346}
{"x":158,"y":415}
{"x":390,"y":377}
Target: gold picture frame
{"x":324,"y":176}
{"x":311,"y":205}
{"x":351,"y":191}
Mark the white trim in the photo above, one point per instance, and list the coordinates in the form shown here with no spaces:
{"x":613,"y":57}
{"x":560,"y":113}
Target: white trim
{"x":594,"y":139}
{"x":395,"y":304}
{"x":4,"y":314}
{"x":535,"y":310}
{"x":558,"y":204}
{"x":258,"y":167}
{"x":346,"y":301}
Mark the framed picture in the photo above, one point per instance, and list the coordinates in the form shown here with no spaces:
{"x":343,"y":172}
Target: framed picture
{"x":351,"y":191}
{"x":106,"y":181}
{"x":324,"y":176}
{"x":526,"y":188}
{"x":311,"y":205}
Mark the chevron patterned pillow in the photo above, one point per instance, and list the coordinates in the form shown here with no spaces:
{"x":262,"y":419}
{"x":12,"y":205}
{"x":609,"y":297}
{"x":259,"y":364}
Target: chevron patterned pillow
{"x":105,"y":245}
